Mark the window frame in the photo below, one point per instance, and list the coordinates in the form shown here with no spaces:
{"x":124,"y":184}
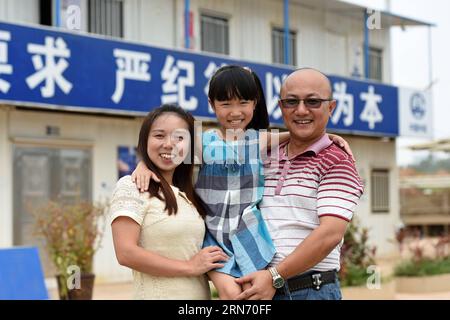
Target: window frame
{"x":217,"y":20}
{"x":102,"y":26}
{"x":376,"y":204}
{"x":376,"y":53}
{"x":293,"y":46}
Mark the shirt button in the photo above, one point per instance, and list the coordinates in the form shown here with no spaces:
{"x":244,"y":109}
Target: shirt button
{"x":282,"y":179}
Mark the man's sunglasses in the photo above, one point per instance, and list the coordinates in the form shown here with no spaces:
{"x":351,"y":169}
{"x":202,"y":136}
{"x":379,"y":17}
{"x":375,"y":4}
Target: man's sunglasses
{"x":312,"y":103}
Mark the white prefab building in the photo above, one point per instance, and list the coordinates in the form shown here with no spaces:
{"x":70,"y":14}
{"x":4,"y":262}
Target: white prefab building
{"x":58,"y":142}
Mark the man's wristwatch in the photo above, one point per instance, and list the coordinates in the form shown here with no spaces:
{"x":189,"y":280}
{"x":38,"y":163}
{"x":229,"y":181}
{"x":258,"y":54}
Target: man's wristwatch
{"x":277,"y":280}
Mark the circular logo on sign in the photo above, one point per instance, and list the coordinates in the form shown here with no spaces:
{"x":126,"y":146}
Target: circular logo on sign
{"x":417,"y":104}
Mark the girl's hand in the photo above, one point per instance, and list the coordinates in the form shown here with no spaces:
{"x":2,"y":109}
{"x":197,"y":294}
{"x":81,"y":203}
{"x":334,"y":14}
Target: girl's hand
{"x":207,"y":259}
{"x":141,"y":176}
{"x":341,"y":142}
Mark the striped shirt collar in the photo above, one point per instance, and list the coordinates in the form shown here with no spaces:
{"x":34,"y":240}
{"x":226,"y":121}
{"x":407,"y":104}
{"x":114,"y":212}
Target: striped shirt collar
{"x":316,"y":147}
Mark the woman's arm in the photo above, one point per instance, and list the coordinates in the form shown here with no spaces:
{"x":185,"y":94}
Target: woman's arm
{"x":126,"y":232}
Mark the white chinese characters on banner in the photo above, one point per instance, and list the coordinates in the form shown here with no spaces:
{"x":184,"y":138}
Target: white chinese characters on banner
{"x":371,"y":113}
{"x":48,"y":69}
{"x":208,"y":73}
{"x":344,"y":104}
{"x":273,"y":87}
{"x":5,"y":68}
{"x":131,"y":65}
{"x":174,"y":86}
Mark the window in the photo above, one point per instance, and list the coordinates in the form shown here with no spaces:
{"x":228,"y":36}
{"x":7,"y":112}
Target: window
{"x":278,"y":47}
{"x":106,"y":17}
{"x":45,"y":12}
{"x":214,"y":34}
{"x":376,"y":63}
{"x":47,"y":173}
{"x":436,"y":230}
{"x":380,"y":190}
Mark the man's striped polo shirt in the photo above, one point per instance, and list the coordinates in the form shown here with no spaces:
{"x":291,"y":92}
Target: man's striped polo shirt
{"x":322,"y":181}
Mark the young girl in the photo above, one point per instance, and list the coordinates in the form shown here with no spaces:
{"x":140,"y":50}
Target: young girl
{"x":231,"y":178}
{"x":159,"y":234}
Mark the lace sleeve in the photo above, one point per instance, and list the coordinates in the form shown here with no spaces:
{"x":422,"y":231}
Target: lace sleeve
{"x":126,"y":201}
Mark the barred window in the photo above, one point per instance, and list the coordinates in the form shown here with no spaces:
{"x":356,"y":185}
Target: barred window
{"x":214,"y":34}
{"x":380,"y":190}
{"x":278,"y":47}
{"x":106,"y":17}
{"x":376,"y":63}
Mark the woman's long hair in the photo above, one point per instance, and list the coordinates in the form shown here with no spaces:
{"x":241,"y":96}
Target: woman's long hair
{"x":182,"y":177}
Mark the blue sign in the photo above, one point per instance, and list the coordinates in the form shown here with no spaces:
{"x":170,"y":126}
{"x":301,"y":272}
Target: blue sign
{"x":126,"y":160}
{"x":21,"y":275}
{"x":41,"y":66}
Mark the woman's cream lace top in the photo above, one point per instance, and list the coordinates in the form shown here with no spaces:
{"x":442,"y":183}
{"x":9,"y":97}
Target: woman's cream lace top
{"x":178,"y":236}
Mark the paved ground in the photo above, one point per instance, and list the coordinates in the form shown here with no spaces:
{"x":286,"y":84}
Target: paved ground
{"x":123,"y":291}
{"x":116,"y":291}
{"x":428,"y":296}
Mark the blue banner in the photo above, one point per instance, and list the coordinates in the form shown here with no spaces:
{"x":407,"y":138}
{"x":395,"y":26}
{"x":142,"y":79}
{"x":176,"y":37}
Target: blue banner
{"x":41,"y":66}
{"x":364,"y":107}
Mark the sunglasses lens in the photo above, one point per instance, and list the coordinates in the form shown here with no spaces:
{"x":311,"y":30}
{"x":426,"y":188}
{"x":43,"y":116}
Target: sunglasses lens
{"x":309,"y":103}
{"x":291,"y":103}
{"x":313,"y":103}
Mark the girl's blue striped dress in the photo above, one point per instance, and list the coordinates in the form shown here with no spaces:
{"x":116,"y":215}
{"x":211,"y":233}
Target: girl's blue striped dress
{"x":230,"y":183}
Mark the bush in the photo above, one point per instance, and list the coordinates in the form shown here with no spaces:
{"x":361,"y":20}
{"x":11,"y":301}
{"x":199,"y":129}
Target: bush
{"x":354,"y":276}
{"x":72,"y":234}
{"x":420,"y":265}
{"x":356,"y":255}
{"x":425,"y":267}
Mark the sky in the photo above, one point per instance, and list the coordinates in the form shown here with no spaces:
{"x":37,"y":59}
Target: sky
{"x":410,"y":61}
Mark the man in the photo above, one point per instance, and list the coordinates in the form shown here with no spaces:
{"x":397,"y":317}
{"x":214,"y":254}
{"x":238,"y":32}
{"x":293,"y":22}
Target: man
{"x":309,"y":201}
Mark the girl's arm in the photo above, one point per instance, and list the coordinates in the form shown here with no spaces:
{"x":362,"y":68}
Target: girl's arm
{"x":141,"y":176}
{"x":341,"y":142}
{"x":226,"y":287}
{"x":126,"y":232}
{"x":266,"y":139}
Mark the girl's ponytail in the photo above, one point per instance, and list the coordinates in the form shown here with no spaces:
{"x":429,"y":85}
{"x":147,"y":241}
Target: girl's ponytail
{"x":260,"y":118}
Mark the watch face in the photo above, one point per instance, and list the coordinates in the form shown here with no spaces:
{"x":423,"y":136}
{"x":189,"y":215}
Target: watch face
{"x":278,"y":282}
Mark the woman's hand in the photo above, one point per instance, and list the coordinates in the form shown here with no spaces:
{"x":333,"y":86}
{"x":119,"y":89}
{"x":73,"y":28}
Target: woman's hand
{"x":207,"y":259}
{"x":141,"y":176}
{"x":341,"y":142}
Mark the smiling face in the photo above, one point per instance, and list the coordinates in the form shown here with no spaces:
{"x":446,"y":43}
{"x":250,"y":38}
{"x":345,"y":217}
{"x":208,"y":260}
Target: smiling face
{"x":234,"y":113}
{"x":168,"y":143}
{"x":307,"y":125}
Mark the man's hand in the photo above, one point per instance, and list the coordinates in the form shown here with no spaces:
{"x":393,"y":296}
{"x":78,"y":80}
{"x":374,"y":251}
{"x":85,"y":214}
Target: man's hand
{"x":261,"y":286}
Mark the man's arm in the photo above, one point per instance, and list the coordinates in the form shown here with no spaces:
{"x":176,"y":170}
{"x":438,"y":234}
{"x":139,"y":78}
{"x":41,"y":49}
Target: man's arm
{"x":316,"y":247}
{"x":309,"y":253}
{"x":339,"y":190}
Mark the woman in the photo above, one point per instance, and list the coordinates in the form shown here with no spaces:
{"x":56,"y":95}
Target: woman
{"x":159,"y":233}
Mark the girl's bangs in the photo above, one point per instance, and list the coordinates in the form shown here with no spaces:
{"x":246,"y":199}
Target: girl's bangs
{"x":231,"y":85}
